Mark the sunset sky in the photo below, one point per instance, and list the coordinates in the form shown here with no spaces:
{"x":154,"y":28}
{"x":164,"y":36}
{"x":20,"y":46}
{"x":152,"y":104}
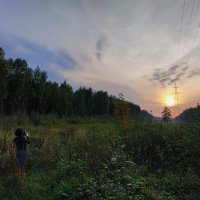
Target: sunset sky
{"x":134,"y":47}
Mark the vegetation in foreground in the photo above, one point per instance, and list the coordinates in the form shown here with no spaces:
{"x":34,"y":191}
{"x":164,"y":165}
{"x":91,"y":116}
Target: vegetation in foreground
{"x":100,"y":159}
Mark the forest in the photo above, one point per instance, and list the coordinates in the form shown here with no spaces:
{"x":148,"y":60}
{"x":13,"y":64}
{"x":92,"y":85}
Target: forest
{"x":24,"y":90}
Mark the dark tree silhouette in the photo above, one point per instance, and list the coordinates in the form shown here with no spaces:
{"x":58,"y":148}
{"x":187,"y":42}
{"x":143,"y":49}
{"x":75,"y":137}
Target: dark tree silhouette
{"x":2,"y":54}
{"x":166,"y":115}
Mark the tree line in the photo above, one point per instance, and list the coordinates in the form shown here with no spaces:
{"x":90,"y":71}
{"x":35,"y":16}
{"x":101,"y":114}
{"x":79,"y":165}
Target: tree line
{"x":23,"y":89}
{"x":191,"y":115}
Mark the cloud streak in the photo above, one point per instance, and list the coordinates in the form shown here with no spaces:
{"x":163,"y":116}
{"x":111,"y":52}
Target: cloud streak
{"x":169,"y":76}
{"x":194,"y":73}
{"x":101,"y":44}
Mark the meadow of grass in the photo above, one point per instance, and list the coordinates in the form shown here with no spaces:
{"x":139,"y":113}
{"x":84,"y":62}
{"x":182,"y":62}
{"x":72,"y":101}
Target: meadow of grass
{"x":101,"y":159}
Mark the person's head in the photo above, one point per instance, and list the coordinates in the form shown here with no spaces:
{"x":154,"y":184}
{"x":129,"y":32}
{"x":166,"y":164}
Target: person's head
{"x":19,"y":132}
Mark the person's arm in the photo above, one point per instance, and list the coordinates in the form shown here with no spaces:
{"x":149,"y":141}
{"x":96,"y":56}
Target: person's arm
{"x":26,"y":139}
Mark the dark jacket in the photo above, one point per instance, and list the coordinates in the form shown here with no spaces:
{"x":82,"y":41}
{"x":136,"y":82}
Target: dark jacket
{"x":21,"y":142}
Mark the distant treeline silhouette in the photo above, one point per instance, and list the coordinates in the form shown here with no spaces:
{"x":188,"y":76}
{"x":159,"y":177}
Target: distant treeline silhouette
{"x":23,"y":89}
{"x":191,"y":115}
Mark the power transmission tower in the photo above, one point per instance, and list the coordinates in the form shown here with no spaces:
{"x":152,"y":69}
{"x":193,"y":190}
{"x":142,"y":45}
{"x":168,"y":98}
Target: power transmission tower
{"x":176,"y":101}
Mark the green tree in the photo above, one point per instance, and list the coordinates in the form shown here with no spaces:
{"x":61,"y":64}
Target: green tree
{"x":3,"y":79}
{"x":2,"y":54}
{"x":39,"y":86}
{"x":19,"y":80}
{"x":166,"y":114}
{"x":145,"y":116}
{"x":83,"y":102}
{"x":122,"y":112}
{"x":101,"y":103}
{"x":112,"y":105}
{"x":198,"y":113}
{"x":65,"y":100}
{"x":51,"y":97}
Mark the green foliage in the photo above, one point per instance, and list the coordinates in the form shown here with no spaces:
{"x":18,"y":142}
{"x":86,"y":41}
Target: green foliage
{"x":2,"y":54}
{"x":27,"y":90}
{"x":93,"y":159}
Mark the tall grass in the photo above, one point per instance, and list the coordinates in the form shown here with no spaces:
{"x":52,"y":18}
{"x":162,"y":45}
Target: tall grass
{"x":99,"y":159}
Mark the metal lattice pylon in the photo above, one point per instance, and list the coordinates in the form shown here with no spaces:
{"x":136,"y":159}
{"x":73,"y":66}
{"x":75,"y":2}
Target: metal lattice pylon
{"x":176,"y":101}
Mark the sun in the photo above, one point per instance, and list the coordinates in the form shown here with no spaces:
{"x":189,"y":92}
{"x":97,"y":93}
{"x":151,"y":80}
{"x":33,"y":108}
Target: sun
{"x":170,"y":101}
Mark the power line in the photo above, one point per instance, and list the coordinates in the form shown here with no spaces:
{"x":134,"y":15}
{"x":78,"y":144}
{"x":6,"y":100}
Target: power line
{"x":195,"y":38}
{"x":188,"y":29}
{"x":180,"y":31}
{"x":193,"y":45}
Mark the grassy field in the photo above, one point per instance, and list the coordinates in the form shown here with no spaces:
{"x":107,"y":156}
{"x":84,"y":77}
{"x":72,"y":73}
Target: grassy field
{"x":101,"y":159}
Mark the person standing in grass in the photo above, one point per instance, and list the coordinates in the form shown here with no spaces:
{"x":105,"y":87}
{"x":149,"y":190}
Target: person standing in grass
{"x":21,"y":140}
